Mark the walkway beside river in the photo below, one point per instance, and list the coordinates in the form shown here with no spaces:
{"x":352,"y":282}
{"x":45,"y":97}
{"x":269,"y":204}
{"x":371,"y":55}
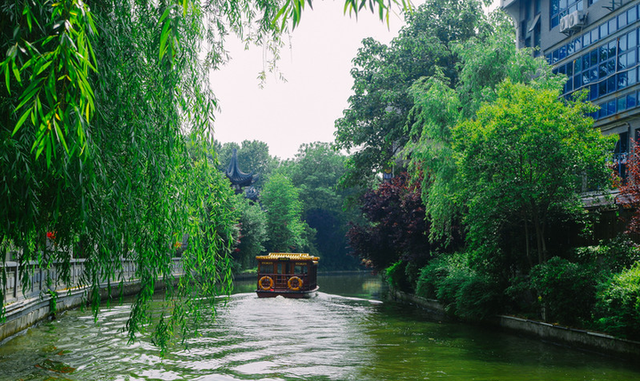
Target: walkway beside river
{"x":25,"y":307}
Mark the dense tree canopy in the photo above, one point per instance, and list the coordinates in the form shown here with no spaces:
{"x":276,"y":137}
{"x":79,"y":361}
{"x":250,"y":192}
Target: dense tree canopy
{"x":373,"y":126}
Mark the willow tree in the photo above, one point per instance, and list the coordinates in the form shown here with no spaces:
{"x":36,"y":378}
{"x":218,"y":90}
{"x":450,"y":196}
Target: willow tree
{"x":96,"y":106}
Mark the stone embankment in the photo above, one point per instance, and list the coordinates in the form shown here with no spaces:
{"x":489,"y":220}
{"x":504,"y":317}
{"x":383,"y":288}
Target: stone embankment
{"x":557,"y":334}
{"x":25,"y":307}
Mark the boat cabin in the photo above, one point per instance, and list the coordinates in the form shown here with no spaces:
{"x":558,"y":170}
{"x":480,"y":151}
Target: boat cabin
{"x":292,"y":275}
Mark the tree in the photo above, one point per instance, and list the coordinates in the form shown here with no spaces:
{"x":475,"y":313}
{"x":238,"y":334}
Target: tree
{"x":95,"y":108}
{"x":285,"y":228}
{"x":253,"y":231}
{"x":316,"y":171}
{"x":373,"y":125}
{"x":485,"y":61}
{"x":253,"y":156}
{"x":396,"y":228}
{"x":523,"y":161}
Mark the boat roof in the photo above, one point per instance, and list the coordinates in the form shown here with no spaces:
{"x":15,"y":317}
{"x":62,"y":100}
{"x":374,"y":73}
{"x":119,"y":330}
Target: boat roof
{"x":291,"y":256}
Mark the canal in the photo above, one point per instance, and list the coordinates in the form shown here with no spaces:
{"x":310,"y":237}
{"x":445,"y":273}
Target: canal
{"x":349,"y":332}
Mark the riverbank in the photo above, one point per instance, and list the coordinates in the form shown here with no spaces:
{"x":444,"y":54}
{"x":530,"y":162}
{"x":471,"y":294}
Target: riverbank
{"x":39,"y":302}
{"x":561,"y":335}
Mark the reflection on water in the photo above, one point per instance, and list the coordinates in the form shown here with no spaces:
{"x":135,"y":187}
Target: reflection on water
{"x":346,"y":333}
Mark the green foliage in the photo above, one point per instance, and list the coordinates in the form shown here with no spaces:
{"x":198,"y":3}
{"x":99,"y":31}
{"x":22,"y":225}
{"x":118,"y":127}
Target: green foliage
{"x":253,"y":157}
{"x":285,"y":228}
{"x":566,"y":290}
{"x":373,"y":125}
{"x":396,"y":276}
{"x":464,"y":292}
{"x":253,"y":231}
{"x":610,"y":257}
{"x":618,"y":304}
{"x":522,"y":161}
{"x":441,"y":102}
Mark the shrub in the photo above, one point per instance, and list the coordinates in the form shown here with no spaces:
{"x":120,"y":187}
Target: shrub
{"x":463,"y":292}
{"x":610,"y":257}
{"x":396,"y":276}
{"x":618,"y":304}
{"x":566,"y":289}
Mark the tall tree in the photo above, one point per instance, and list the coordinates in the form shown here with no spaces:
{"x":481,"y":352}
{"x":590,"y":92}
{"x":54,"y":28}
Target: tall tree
{"x":523,"y":160}
{"x":285,"y":228}
{"x":316,"y":170}
{"x":373,"y":124}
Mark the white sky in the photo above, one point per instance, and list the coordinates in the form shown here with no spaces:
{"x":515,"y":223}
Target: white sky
{"x":317,"y":69}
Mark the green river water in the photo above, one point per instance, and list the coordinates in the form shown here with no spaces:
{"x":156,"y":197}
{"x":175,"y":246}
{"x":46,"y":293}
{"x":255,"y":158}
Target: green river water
{"x":349,"y":332}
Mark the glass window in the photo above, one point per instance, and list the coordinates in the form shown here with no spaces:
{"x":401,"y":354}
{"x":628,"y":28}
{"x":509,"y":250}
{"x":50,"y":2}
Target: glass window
{"x":622,"y":43}
{"x":555,"y":56}
{"x":612,"y":48}
{"x":631,"y":58}
{"x":613,"y":25}
{"x":577,"y":81}
{"x":562,"y":53}
{"x":593,"y":92}
{"x":604,"y":53}
{"x":622,"y":103}
{"x":622,"y":62}
{"x":549,"y":57}
{"x":631,"y":100}
{"x":595,"y":35}
{"x":622,"y":80}
{"x":570,"y":69}
{"x":570,"y":48}
{"x":602,"y":88}
{"x":266,"y":269}
{"x":300,"y":269}
{"x":568,"y":86}
{"x":611,"y":84}
{"x":622,"y":20}
{"x":577,"y":43}
{"x":632,"y":40}
{"x":594,"y":58}
{"x":632,"y":15}
{"x":632,"y":76}
{"x":586,"y":40}
{"x":593,"y":74}
{"x":577,"y":65}
{"x":603,"y":72}
{"x":611,"y":107}
{"x":604,"y":30}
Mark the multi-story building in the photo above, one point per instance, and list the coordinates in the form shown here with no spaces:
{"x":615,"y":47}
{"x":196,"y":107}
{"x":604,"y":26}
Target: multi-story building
{"x":594,"y":43}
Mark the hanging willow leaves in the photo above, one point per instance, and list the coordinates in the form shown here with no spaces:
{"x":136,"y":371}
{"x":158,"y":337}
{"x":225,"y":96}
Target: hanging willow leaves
{"x":98,"y":105}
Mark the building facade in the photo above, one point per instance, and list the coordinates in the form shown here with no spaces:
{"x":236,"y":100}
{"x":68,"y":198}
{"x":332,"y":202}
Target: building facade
{"x":595,"y":44}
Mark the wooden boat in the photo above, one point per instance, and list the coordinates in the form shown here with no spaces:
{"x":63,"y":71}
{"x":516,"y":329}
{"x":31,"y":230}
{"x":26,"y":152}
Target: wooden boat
{"x":292,"y":275}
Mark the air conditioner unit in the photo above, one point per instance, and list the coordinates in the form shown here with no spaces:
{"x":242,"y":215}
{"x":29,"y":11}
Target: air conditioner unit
{"x":576,"y":20}
{"x":572,"y":21}
{"x":564,"y":23}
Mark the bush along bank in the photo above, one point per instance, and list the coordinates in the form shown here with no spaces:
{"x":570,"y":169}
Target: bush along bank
{"x":589,"y":299}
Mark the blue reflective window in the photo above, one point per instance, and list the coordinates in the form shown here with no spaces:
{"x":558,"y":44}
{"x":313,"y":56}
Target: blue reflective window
{"x":632,"y":39}
{"x":595,"y":35}
{"x":631,"y":100}
{"x":622,"y":80}
{"x":604,"y":30}
{"x":577,"y":43}
{"x":632,"y":76}
{"x":602,"y":88}
{"x":586,"y":39}
{"x":622,"y":103}
{"x":622,"y":43}
{"x":622,"y":20}
{"x":577,"y":81}
{"x":611,"y":107}
{"x":632,"y":15}
{"x":611,"y":84}
{"x":594,"y":58}
{"x":593,"y":92}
